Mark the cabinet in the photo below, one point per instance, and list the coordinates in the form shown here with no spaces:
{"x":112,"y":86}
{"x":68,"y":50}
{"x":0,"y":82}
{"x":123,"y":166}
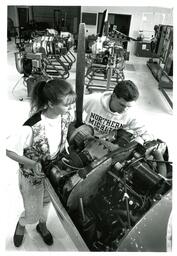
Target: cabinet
{"x":143,"y":49}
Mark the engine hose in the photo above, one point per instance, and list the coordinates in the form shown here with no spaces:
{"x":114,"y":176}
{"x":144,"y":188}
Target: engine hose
{"x":133,"y":162}
{"x":65,"y":162}
{"x":161,"y":166}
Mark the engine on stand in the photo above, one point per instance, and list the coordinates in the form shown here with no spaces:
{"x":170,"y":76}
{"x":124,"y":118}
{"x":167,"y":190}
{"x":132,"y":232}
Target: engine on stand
{"x":108,"y":184}
{"x":106,"y":62}
{"x":45,"y":56}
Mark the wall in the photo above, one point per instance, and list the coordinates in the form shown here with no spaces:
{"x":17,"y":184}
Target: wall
{"x":46,"y":14}
{"x":13,"y":13}
{"x":143,"y":18}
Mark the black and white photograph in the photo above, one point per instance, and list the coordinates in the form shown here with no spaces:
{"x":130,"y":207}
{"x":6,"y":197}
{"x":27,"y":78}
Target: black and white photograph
{"x":89,"y":127}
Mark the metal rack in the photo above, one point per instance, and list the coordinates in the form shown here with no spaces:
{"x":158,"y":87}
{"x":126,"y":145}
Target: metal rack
{"x":103,"y":72}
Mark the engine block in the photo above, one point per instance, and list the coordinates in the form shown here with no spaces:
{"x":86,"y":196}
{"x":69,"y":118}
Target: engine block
{"x":110,"y":189}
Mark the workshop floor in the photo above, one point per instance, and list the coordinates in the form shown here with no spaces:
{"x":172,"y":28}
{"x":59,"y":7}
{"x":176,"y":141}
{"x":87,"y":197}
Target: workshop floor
{"x":152,"y":107}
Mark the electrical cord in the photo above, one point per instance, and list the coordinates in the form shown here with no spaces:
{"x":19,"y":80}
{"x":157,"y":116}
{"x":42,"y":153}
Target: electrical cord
{"x":15,"y":86}
{"x":166,"y":179}
{"x":159,"y":161}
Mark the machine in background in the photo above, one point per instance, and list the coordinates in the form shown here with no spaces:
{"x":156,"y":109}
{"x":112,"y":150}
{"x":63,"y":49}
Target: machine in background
{"x":45,"y":56}
{"x":106,"y":62}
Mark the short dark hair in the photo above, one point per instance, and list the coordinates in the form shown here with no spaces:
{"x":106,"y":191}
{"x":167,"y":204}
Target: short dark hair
{"x":127,"y":90}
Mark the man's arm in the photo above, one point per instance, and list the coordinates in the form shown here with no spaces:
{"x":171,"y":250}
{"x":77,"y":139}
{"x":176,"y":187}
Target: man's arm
{"x":139,"y":131}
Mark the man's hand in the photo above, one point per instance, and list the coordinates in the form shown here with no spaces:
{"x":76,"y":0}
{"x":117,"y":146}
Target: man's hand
{"x":81,"y":133}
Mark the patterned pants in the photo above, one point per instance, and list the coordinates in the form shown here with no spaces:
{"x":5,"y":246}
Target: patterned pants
{"x":36,"y":201}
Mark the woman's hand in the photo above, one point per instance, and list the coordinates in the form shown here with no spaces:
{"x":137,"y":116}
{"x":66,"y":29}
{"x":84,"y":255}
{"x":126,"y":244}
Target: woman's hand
{"x":38,"y":170}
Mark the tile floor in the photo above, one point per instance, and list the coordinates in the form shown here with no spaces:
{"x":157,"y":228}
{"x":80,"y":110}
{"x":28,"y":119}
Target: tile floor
{"x":152,"y":107}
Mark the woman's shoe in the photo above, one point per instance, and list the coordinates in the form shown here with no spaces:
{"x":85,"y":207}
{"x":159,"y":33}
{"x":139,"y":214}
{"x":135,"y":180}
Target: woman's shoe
{"x":47,"y":237}
{"x":18,"y":235}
